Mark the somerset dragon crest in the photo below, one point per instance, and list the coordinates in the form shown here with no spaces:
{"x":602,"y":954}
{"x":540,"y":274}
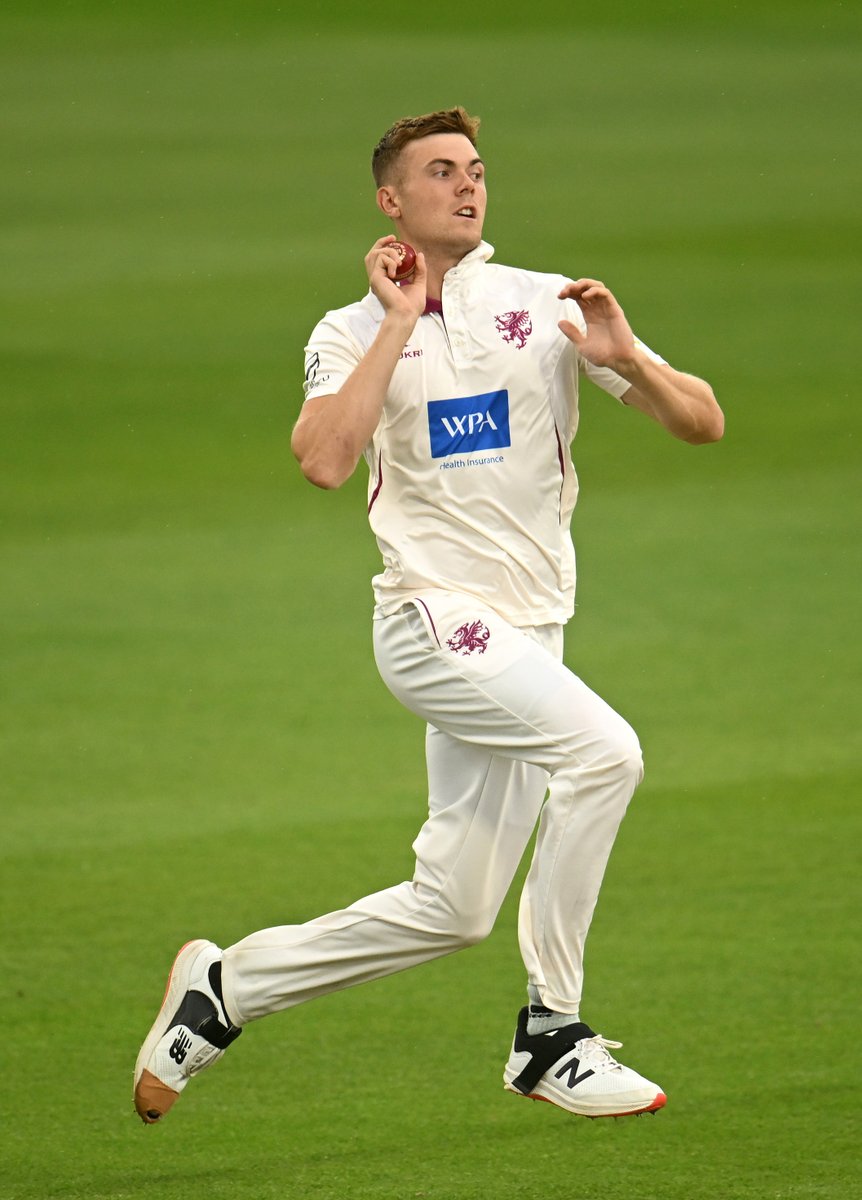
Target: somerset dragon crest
{"x":471,"y":636}
{"x":515,"y":327}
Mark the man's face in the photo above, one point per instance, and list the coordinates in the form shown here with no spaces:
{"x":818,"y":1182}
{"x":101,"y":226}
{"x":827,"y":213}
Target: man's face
{"x":438,"y":196}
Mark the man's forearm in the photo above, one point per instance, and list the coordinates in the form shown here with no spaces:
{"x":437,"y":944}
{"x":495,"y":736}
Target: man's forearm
{"x":685,"y":405}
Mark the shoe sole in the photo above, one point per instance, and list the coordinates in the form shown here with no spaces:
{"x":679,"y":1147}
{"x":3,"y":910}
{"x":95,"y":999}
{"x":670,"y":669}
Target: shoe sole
{"x":654,"y":1105}
{"x":152,"y":1097}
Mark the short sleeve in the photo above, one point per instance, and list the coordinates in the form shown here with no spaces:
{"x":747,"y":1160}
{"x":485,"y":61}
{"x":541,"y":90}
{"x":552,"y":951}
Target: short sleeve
{"x":608,"y":380}
{"x":331,"y":356}
{"x":604,"y":377}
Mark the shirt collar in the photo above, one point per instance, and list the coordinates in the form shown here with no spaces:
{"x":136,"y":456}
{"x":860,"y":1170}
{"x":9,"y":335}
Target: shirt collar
{"x":480,"y":255}
{"x":467,"y":265}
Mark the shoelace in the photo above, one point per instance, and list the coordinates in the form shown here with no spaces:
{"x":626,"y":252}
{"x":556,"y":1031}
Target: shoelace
{"x":596,"y":1051}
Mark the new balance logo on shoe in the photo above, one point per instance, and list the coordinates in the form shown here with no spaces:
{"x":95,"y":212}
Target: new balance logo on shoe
{"x":570,"y":1068}
{"x":180,"y":1047}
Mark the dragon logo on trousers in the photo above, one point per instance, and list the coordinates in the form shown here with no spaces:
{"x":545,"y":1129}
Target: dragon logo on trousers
{"x":472,"y":635}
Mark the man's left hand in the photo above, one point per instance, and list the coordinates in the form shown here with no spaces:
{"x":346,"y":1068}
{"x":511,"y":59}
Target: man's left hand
{"x":608,"y":341}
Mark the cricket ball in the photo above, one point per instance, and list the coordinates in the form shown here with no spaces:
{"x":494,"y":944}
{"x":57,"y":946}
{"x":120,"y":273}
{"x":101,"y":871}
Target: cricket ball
{"x":407,"y":261}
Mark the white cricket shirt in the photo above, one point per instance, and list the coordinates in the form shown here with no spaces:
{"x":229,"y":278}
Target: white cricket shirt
{"x":471,"y":486}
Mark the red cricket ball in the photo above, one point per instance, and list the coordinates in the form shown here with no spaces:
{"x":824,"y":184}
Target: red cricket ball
{"x":407,"y":264}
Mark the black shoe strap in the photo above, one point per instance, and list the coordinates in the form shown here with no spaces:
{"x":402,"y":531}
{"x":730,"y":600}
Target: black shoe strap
{"x":198,"y":1013}
{"x":545,"y":1049}
{"x":218,"y":1034}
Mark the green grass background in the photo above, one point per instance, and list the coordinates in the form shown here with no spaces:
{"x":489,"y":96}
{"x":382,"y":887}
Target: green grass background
{"x":195,"y":742}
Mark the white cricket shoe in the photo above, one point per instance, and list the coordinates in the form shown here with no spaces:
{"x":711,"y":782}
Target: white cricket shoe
{"x":191,"y":1032}
{"x":572,"y":1067}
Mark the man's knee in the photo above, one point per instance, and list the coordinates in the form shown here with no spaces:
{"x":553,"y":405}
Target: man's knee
{"x":626,"y":751}
{"x":614,"y":752}
{"x":471,"y":928}
{"x":457,"y":920}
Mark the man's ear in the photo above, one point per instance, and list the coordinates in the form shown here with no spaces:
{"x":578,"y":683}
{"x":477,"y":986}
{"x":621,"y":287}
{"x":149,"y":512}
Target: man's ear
{"x":387,"y":201}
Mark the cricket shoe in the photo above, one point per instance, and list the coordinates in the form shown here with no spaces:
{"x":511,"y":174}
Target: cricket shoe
{"x":573,"y":1068}
{"x":191,"y":1032}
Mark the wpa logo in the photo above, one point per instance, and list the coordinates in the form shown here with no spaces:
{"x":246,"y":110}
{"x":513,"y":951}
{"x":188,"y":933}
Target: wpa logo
{"x":469,"y":423}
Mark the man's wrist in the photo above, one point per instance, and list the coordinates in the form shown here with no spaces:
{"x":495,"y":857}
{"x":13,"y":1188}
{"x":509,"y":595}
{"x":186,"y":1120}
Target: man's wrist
{"x":399,"y":317}
{"x":398,"y":324}
{"x":632,"y":367}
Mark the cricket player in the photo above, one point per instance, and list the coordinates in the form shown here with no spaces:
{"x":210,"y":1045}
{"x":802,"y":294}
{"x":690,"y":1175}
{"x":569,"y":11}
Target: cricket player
{"x":459,"y":389}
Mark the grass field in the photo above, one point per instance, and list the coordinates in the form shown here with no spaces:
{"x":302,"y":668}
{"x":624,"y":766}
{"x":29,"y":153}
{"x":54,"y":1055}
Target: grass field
{"x":195,"y":742}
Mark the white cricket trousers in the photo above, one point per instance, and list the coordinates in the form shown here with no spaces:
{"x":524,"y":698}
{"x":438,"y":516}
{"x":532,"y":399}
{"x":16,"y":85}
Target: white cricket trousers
{"x":507,"y":723}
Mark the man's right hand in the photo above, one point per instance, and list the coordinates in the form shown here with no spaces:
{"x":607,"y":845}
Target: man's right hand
{"x":333,"y":430}
{"x":406,"y":300}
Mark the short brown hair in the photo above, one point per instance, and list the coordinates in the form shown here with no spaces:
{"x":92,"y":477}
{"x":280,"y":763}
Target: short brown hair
{"x":409,"y":129}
